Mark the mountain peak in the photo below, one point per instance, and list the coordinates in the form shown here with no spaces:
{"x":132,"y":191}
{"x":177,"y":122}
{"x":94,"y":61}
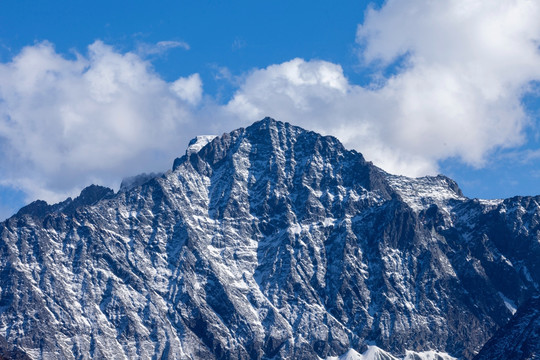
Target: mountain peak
{"x":270,"y":241}
{"x":88,"y":196}
{"x":266,"y":121}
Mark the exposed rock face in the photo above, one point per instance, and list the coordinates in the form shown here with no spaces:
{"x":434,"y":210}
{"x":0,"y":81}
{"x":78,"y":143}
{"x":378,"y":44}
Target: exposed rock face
{"x":268,"y":242}
{"x":519,"y":339}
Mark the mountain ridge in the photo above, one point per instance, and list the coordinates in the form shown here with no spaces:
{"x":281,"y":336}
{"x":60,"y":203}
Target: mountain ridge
{"x":268,"y":242}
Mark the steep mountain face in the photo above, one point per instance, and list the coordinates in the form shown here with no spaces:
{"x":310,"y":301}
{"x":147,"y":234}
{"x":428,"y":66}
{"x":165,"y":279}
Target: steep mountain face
{"x":268,"y":242}
{"x":519,"y":339}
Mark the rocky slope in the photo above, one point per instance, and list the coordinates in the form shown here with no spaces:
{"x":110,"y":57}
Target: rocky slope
{"x":519,"y":339}
{"x":267,"y":242}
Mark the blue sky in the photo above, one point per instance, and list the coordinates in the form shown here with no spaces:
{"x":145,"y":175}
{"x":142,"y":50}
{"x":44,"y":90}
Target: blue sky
{"x":93,"y":92}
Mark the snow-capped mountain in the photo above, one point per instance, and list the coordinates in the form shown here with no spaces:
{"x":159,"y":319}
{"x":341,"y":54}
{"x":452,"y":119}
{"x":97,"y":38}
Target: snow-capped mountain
{"x":267,"y":242}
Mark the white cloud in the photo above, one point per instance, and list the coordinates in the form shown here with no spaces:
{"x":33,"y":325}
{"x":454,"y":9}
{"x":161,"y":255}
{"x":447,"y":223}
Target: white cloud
{"x":292,"y":91}
{"x":457,"y":94}
{"x":468,"y":65}
{"x":173,"y":44}
{"x":317,"y":95}
{"x":67,"y":123}
{"x":160,"y":47}
{"x":188,"y":89}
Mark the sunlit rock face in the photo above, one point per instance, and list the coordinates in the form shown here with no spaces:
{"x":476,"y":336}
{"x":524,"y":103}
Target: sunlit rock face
{"x":267,"y":242}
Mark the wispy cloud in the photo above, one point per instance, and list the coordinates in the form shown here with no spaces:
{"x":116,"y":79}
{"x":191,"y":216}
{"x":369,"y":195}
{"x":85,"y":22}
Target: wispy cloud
{"x":238,"y":44}
{"x":161,"y":47}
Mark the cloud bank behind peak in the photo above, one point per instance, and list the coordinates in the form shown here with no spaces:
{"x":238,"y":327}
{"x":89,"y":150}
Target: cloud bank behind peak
{"x":459,"y":70}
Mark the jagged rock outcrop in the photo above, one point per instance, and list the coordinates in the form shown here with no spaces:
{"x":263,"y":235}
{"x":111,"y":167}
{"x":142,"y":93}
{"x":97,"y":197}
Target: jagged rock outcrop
{"x":89,"y":196}
{"x":267,"y":242}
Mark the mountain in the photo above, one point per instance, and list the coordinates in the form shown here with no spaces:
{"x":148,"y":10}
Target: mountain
{"x":266,"y":242}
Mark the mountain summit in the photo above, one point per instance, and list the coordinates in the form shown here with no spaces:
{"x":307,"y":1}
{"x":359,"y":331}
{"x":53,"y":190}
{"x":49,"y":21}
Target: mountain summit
{"x":267,"y":242}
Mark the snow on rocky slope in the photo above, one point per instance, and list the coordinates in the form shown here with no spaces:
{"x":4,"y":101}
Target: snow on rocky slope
{"x":266,"y":242}
{"x":375,"y":353}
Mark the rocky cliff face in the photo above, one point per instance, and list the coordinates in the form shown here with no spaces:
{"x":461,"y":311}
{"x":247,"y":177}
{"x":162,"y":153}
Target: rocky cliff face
{"x":268,"y":242}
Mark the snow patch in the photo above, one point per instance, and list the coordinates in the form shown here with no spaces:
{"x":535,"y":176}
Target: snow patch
{"x":421,"y":192}
{"x":295,"y":229}
{"x":328,"y":222}
{"x":428,"y":355}
{"x":198,"y":142}
{"x":510,"y":305}
{"x":490,"y":203}
{"x":375,"y":353}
